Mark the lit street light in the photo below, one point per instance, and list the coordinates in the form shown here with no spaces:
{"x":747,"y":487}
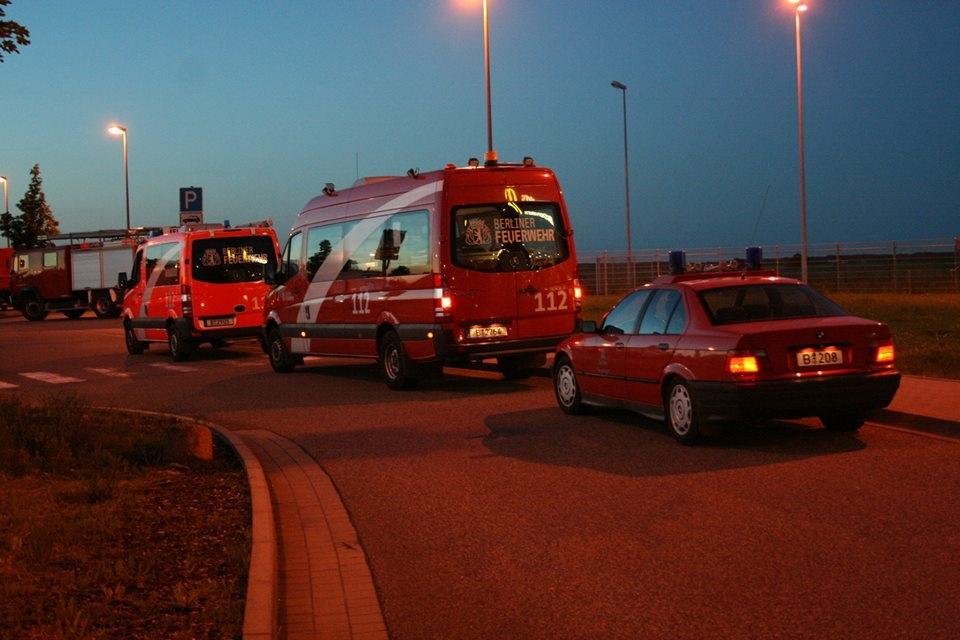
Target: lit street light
{"x":6,"y":198}
{"x":121,"y":131}
{"x":800,"y":7}
{"x":626,"y":179}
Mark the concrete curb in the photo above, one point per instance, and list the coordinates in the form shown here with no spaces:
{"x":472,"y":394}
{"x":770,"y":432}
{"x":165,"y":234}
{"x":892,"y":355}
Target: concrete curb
{"x":260,"y":609}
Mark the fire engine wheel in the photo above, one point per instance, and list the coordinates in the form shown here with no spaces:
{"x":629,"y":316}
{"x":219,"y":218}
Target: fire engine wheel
{"x":73,"y":314}
{"x":103,"y":306}
{"x":280,"y":359}
{"x":566,"y":388}
{"x":134,"y":347}
{"x":33,"y":310}
{"x":683,"y":413}
{"x":180,"y":347}
{"x":398,"y":371}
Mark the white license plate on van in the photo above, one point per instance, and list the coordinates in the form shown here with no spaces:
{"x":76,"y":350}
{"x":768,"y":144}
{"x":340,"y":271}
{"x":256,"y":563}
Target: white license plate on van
{"x":219,"y":322}
{"x":819,"y":357}
{"x":490,"y":331}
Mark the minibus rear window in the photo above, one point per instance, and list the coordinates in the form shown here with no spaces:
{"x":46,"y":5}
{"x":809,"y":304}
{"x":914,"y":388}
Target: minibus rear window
{"x":513,"y":236}
{"x":225,"y":260}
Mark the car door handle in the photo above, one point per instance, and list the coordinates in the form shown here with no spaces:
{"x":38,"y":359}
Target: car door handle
{"x":663,"y":346}
{"x":619,"y":345}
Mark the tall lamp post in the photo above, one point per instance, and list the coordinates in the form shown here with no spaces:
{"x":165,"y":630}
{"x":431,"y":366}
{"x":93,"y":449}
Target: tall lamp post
{"x":6,"y":199}
{"x":121,"y":131}
{"x":800,"y":7}
{"x":490,"y":157}
{"x":626,"y":179}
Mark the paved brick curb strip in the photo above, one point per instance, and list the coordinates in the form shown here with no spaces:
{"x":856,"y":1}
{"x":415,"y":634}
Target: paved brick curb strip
{"x":260,"y":610}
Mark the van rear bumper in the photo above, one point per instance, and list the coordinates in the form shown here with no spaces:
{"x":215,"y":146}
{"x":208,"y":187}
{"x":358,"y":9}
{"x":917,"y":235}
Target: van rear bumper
{"x":452,"y":351}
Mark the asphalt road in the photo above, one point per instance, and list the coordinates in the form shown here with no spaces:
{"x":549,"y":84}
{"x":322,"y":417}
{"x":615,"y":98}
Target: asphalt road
{"x":485,"y":512}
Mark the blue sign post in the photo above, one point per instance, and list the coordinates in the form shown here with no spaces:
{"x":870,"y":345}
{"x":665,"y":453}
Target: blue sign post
{"x":191,"y":205}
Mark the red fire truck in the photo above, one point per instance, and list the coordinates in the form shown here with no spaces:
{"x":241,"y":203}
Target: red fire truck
{"x":461,"y":264}
{"x":199,"y":283}
{"x":6,"y":264}
{"x":75,"y":277}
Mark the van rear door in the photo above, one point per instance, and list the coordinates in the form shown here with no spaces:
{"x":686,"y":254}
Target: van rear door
{"x":227,"y":279}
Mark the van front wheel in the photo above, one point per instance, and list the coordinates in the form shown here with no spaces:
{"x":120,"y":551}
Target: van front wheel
{"x":280,"y":358}
{"x":397,"y":370}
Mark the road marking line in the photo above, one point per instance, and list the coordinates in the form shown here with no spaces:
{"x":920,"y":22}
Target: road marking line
{"x":50,"y":378}
{"x":110,"y":373}
{"x":7,"y":385}
{"x":172,"y":367}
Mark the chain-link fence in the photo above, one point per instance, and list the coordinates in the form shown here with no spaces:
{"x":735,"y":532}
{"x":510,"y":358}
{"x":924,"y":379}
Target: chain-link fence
{"x":927,"y":266}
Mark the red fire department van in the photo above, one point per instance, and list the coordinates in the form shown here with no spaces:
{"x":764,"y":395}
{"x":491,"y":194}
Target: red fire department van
{"x":460,"y":264}
{"x":200,"y":283}
{"x":6,"y":266}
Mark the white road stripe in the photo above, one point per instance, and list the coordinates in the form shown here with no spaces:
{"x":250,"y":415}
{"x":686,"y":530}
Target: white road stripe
{"x":50,"y":378}
{"x":173,"y":367}
{"x":7,"y":385}
{"x":110,"y":373}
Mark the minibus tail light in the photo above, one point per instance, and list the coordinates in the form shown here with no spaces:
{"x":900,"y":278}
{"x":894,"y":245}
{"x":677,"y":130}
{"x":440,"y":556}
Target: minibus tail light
{"x":186,"y":300}
{"x":442,"y":300}
{"x":577,"y":293}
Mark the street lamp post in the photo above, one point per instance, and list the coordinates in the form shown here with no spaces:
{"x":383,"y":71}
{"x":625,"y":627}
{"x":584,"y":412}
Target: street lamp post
{"x":6,"y":199}
{"x":800,"y":7}
{"x":626,"y":180}
{"x":121,"y":131}
{"x":490,"y":157}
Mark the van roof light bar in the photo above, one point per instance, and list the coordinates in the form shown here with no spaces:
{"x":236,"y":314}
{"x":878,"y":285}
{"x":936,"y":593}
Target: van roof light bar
{"x":528,"y":161}
{"x":413,"y":173}
{"x":329,"y":189}
{"x":473,"y":162}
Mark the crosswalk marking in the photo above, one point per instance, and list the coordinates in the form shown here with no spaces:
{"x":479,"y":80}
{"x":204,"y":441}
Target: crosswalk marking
{"x":7,"y":385}
{"x":50,"y":378}
{"x":172,"y":367}
{"x":110,"y":373}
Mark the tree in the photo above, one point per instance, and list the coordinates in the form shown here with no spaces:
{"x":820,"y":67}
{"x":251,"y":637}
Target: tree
{"x":37,"y":217}
{"x":12,"y":34}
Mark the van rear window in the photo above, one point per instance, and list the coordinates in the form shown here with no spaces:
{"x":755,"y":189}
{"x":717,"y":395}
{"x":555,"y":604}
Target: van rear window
{"x":513,"y":236}
{"x":225,"y":260}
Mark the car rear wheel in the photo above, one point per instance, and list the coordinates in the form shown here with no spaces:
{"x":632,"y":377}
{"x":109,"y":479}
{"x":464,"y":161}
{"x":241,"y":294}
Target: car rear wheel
{"x":180,"y":347}
{"x":683,"y":413}
{"x":398,"y":371}
{"x":566,"y":388}
{"x":280,"y":358}
{"x":134,"y":346}
{"x":842,"y":421}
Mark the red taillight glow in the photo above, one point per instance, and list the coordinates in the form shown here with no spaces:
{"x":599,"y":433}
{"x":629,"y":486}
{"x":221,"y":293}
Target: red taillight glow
{"x":446,"y":303}
{"x":577,"y":291}
{"x":743,"y":364}
{"x":885,"y":353}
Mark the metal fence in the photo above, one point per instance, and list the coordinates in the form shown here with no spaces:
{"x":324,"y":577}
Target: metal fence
{"x":927,"y":266}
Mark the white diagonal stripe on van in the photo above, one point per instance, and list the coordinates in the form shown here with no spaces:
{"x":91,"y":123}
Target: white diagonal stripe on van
{"x":110,"y":373}
{"x":172,"y":367}
{"x":328,"y":271}
{"x":7,"y":385}
{"x":154,"y":276}
{"x":50,"y":378}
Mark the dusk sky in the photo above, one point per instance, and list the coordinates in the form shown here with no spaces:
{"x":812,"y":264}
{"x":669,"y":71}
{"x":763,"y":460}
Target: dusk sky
{"x":261,"y":103}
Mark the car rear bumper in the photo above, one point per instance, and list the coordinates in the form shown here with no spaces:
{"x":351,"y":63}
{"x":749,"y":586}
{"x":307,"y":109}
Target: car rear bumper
{"x":796,"y":398}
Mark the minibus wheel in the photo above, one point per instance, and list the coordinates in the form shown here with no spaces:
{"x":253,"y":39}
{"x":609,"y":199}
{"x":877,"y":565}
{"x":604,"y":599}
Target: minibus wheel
{"x":280,"y":358}
{"x":394,"y":364}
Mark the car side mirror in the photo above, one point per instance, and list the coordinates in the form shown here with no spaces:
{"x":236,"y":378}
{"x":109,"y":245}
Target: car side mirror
{"x":122,"y":280}
{"x":587,"y":326}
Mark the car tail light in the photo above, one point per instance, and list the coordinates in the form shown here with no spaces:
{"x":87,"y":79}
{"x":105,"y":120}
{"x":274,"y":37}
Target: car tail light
{"x":885,"y":353}
{"x":740,"y":364}
{"x":442,"y":299}
{"x":186,"y":300}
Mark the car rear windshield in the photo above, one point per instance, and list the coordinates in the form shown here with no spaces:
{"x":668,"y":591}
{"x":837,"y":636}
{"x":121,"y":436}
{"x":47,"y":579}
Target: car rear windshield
{"x":759,"y":302}
{"x":513,"y":236}
{"x":226,"y":260}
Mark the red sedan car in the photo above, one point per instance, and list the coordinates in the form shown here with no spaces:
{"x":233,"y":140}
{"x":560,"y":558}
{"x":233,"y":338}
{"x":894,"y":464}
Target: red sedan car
{"x":695,"y":349}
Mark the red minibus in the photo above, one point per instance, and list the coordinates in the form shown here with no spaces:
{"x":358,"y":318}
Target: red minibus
{"x":455,"y":265}
{"x":199,"y":283}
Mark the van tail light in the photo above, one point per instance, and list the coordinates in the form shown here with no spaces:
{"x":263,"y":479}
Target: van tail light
{"x":885,"y":353}
{"x":577,"y":294}
{"x":442,"y":300}
{"x":186,"y":300}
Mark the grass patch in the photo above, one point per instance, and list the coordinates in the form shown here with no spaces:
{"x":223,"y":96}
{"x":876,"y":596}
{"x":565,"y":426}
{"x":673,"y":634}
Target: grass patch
{"x":108,"y":530}
{"x":925,"y":326}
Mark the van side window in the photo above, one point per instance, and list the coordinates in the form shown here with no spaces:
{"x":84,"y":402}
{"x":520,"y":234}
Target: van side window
{"x":164,"y":259}
{"x":323,"y":247}
{"x":134,"y":278}
{"x":398,"y":246}
{"x":291,"y":255}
